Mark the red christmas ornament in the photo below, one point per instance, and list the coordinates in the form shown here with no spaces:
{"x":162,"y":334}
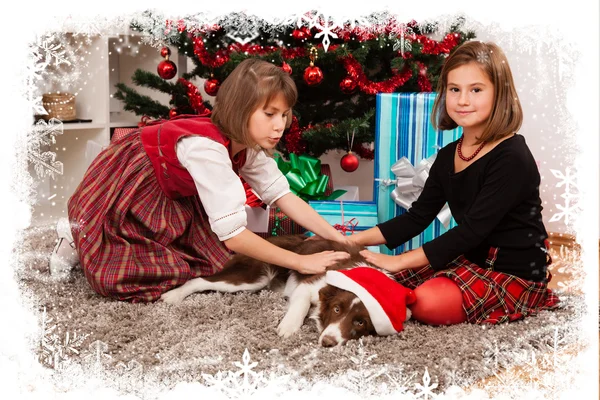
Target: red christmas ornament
{"x":349,"y":162}
{"x":211,"y":86}
{"x":165,"y":52}
{"x":312,"y":74}
{"x":302,"y":33}
{"x":166,"y":69}
{"x":172,"y":113}
{"x":286,"y":67}
{"x":348,"y":85}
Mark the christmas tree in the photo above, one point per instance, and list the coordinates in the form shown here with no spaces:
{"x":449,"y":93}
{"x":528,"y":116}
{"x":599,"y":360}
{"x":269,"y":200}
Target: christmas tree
{"x":338,"y":69}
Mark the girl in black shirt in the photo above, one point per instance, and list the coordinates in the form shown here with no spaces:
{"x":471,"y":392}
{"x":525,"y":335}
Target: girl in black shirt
{"x":491,"y":267}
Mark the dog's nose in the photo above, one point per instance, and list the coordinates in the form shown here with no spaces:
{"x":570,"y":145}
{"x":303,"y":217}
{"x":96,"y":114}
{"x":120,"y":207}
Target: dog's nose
{"x":328,"y":341}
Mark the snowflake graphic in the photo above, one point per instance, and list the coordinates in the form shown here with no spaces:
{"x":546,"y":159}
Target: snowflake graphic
{"x":400,"y":382}
{"x":567,"y":261}
{"x":132,"y":369}
{"x":570,"y":208}
{"x":326,"y":24}
{"x":97,"y":356}
{"x":245,"y":382}
{"x":44,"y":134}
{"x":401,"y":40}
{"x":361,"y":380}
{"x":57,"y":62}
{"x":241,"y":28}
{"x":483,"y":57}
{"x":55,"y":351}
{"x":50,"y":48}
{"x":426,"y":390}
{"x":497,"y":355}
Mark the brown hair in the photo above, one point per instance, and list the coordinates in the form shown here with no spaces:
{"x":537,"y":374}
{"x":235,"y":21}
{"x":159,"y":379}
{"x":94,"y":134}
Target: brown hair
{"x":507,"y":115}
{"x":252,"y":84}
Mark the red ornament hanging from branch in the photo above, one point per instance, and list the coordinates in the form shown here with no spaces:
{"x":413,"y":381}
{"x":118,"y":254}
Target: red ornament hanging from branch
{"x":313,"y":74}
{"x":302,"y":33}
{"x":286,"y":67}
{"x":211,"y":86}
{"x":166,"y":68}
{"x":348,"y":85}
{"x":349,"y":162}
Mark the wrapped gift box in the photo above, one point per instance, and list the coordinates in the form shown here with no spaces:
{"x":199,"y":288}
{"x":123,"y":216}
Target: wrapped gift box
{"x":403,"y":129}
{"x":280,"y":224}
{"x":364,"y":213}
{"x":348,"y":216}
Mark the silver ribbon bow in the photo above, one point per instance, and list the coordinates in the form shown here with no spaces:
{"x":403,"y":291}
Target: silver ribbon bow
{"x":409,"y":185}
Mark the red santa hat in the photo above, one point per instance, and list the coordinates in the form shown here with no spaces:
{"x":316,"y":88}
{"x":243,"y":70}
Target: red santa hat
{"x":384,"y":298}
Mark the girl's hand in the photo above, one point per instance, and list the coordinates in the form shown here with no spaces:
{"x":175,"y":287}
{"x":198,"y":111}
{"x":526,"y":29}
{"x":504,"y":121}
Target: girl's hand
{"x":387,"y":262}
{"x":317,"y":263}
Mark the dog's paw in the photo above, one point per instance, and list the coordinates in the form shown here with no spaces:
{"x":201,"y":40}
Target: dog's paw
{"x":288,"y":326}
{"x":174,"y":296}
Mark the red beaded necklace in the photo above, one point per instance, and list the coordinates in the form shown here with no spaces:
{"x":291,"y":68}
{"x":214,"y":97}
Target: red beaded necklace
{"x":472,"y":156}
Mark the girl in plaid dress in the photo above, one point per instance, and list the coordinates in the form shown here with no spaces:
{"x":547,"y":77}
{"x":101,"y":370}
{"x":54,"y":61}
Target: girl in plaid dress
{"x":491,"y":267}
{"x":164,"y":203}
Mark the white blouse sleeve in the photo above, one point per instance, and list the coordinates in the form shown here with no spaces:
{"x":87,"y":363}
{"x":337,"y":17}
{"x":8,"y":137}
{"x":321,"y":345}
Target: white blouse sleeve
{"x":263,"y":175}
{"x":220,"y":189}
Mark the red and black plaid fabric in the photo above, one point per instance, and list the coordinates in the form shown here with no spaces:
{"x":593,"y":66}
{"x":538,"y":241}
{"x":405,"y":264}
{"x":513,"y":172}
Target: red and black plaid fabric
{"x":488,"y":296}
{"x":135,"y":243}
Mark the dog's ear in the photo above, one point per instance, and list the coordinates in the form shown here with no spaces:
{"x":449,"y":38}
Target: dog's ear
{"x":328,"y":292}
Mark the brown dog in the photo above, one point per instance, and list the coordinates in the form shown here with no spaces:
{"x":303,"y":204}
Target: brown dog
{"x":340,"y":314}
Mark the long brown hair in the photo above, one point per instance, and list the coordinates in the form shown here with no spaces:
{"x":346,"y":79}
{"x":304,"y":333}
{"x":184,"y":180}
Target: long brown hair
{"x":507,"y":115}
{"x":252,"y":84}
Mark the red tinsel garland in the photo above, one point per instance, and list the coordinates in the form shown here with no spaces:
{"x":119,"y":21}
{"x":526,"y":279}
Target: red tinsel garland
{"x":216,"y":60}
{"x":422,"y":78}
{"x":388,"y":86}
{"x":293,"y":138}
{"x":363,"y":152}
{"x":221,"y":57}
{"x":195,"y":97}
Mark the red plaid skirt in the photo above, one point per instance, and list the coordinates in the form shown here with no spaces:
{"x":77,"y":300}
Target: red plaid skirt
{"x":135,"y":243}
{"x":488,"y":296}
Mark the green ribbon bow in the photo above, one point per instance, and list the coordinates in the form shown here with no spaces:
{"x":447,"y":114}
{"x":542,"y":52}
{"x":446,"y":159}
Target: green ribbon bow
{"x":305,"y":178}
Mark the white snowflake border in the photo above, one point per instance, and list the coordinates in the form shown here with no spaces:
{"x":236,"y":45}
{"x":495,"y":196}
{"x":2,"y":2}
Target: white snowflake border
{"x":570,"y":209}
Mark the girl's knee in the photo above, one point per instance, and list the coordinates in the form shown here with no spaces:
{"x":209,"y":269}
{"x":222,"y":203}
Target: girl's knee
{"x":439,"y":302}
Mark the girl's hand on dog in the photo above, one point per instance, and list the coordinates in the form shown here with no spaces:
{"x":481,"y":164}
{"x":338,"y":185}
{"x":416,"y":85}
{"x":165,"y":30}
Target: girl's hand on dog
{"x":317,"y":263}
{"x":387,"y":262}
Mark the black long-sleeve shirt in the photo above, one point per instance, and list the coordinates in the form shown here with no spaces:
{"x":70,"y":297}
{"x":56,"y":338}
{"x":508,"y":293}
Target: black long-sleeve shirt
{"x":495,"y":202}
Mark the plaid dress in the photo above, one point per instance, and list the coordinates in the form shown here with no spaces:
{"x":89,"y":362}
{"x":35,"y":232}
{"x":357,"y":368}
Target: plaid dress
{"x":135,"y":243}
{"x":488,"y":296}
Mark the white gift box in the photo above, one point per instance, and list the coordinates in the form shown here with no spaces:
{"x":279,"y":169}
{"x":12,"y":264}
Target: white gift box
{"x":257,"y":219}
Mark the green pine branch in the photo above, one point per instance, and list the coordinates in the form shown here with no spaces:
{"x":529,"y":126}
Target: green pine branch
{"x":140,"y":104}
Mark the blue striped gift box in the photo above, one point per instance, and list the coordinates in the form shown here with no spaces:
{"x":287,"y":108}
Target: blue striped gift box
{"x":403,"y":129}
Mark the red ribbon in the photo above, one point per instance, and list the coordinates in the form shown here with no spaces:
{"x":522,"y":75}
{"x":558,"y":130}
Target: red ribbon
{"x":348,"y":225}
